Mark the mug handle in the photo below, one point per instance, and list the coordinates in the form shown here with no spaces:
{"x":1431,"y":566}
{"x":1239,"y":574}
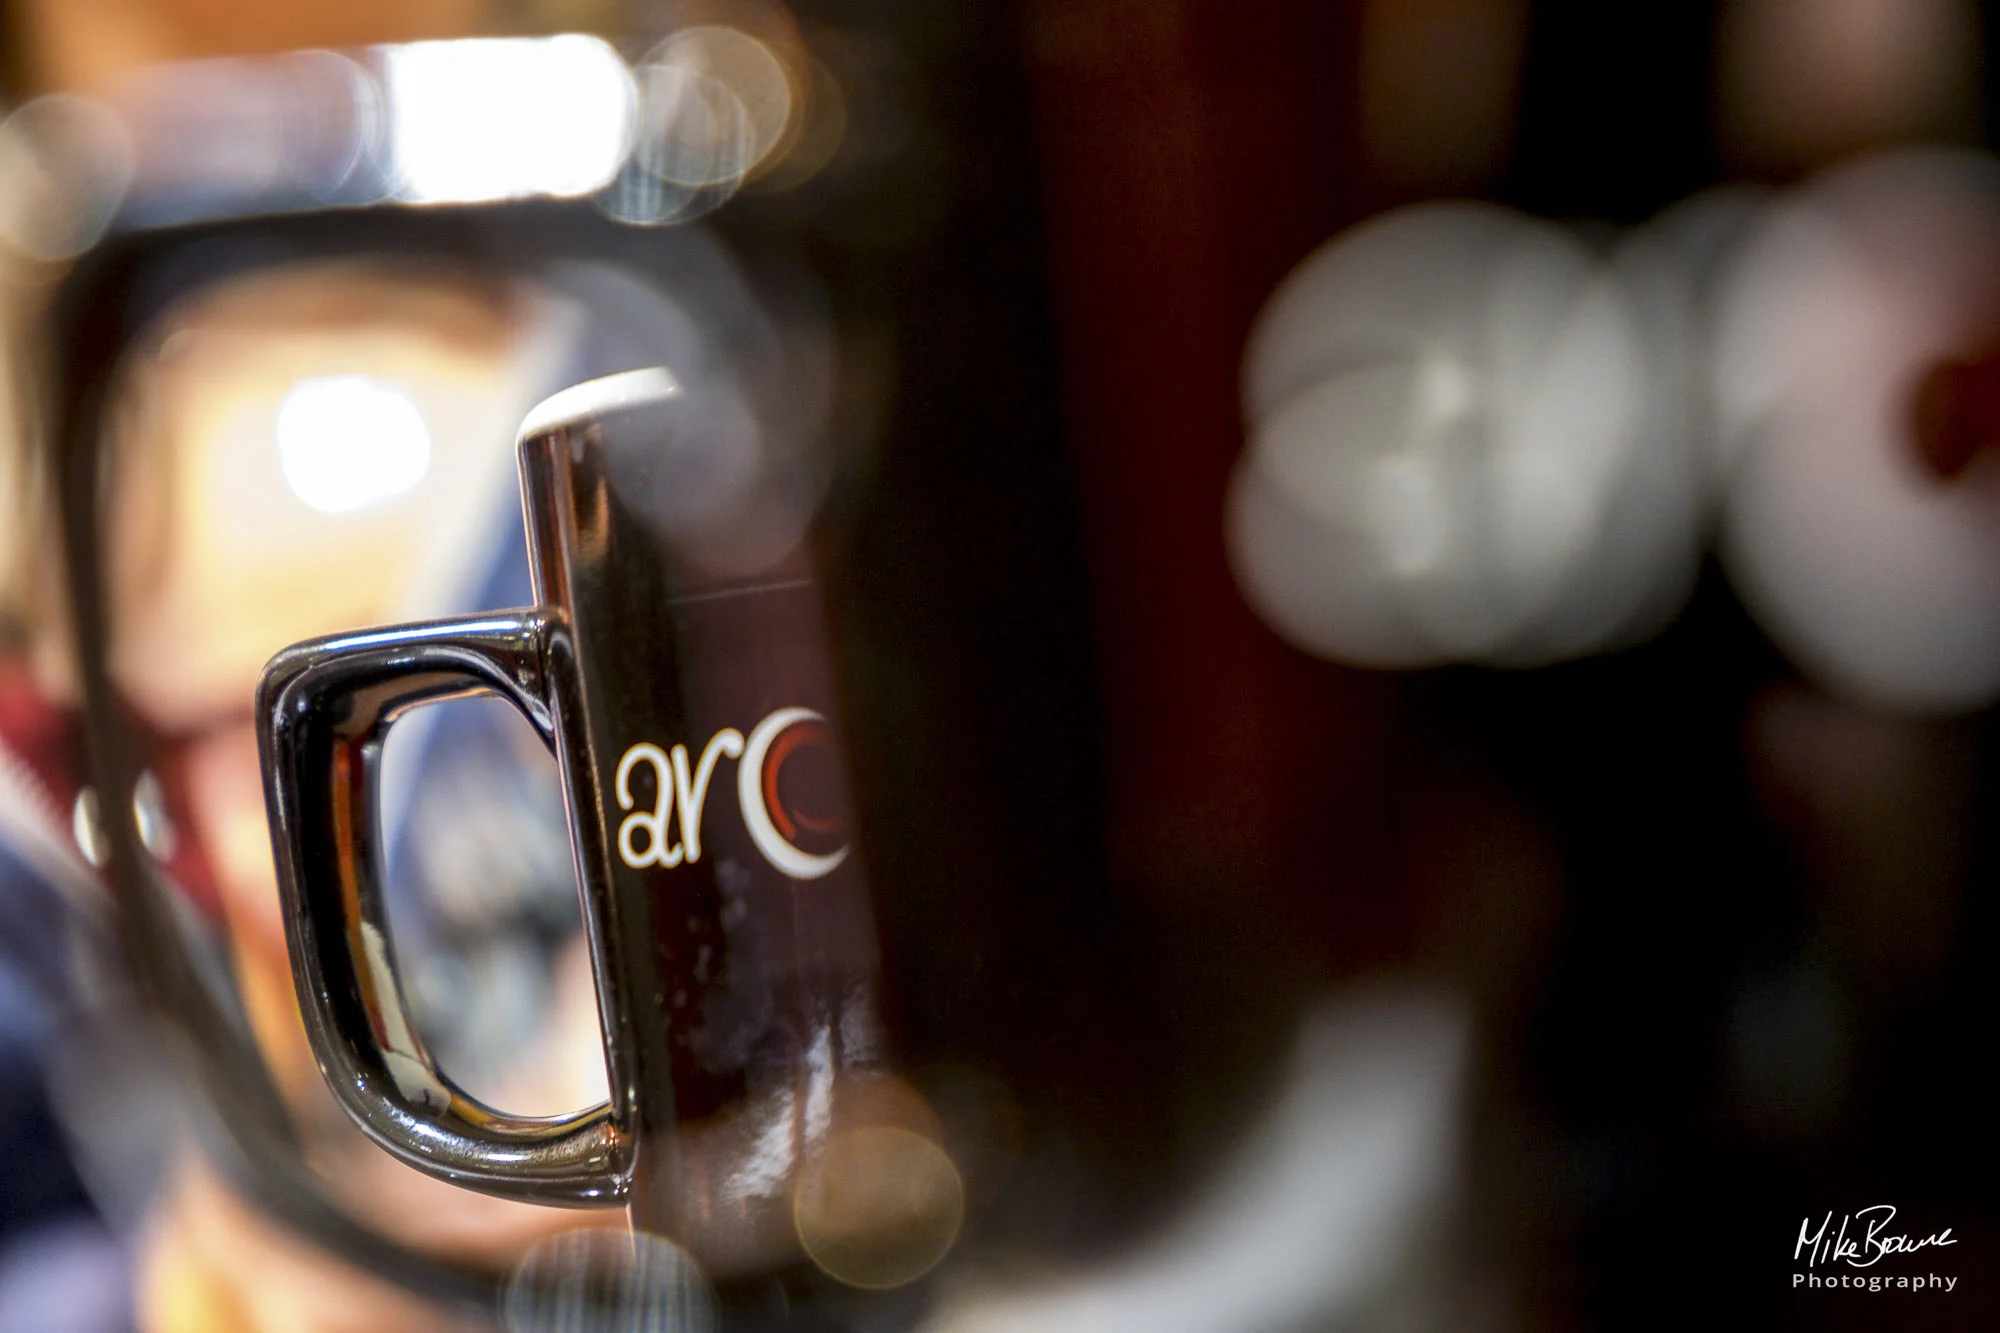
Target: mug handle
{"x":325,"y":709}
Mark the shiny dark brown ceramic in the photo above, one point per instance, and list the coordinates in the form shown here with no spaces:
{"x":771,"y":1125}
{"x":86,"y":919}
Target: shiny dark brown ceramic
{"x":733,"y":950}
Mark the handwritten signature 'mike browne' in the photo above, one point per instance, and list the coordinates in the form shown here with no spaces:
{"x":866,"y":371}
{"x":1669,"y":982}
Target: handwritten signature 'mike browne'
{"x":1832,"y":1245}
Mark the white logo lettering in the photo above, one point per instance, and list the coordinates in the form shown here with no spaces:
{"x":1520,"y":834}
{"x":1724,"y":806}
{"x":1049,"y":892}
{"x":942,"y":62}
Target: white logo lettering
{"x":659,"y":852}
{"x":750,"y":786}
{"x":728,"y":741}
{"x":676,"y":785}
{"x":672,"y":785}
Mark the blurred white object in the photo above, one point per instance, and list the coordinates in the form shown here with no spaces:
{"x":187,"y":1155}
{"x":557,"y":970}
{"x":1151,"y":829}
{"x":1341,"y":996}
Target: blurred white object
{"x":348,"y":441}
{"x":1334,"y":1213}
{"x":1879,"y":579}
{"x":1457,"y":451}
{"x":505,"y":118}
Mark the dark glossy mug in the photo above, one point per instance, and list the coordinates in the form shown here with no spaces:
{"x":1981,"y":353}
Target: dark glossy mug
{"x":692,"y":716}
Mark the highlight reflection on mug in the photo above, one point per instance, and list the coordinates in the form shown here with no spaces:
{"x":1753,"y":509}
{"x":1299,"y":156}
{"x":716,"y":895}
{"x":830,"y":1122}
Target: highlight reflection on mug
{"x":784,"y":787}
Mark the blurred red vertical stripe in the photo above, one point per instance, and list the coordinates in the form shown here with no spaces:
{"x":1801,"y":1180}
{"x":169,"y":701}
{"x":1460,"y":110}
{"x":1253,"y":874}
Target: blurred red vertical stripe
{"x":1193,"y":151}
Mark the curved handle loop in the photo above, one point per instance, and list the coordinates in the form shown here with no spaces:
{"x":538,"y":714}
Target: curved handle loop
{"x":325,"y":708}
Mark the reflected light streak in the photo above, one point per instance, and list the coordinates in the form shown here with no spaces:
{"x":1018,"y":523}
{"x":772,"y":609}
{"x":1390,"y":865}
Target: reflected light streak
{"x":605,"y":1278}
{"x":347,"y":441}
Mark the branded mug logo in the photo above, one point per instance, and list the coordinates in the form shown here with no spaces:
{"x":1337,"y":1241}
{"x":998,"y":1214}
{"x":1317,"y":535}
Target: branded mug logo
{"x":680,"y":786}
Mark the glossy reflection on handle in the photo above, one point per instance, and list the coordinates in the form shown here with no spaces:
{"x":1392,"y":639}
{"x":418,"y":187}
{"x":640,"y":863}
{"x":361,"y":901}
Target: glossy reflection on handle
{"x":326,"y":707}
